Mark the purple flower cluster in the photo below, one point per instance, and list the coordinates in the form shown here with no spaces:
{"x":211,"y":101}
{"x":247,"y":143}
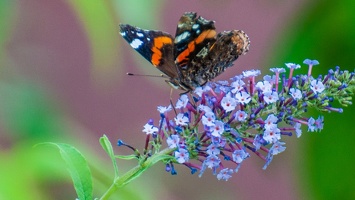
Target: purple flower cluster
{"x":221,"y":124}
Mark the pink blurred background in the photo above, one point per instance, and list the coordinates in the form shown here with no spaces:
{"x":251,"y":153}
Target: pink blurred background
{"x":72,"y":53}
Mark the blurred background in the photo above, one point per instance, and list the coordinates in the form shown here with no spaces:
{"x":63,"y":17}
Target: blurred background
{"x":63,"y":79}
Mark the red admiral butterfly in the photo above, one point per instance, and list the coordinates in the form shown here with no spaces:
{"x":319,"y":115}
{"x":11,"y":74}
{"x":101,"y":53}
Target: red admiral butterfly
{"x":196,"y":55}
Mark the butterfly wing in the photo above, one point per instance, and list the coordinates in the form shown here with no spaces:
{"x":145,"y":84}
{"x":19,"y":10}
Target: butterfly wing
{"x":195,"y":56}
{"x":228,"y":47}
{"x":155,"y":46}
{"x":192,"y":35}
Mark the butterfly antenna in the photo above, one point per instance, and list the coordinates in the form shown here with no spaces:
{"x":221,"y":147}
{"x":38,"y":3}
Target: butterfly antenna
{"x":148,"y":75}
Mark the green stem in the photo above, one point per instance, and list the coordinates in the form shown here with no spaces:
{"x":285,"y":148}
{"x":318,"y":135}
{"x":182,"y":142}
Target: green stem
{"x":135,"y":172}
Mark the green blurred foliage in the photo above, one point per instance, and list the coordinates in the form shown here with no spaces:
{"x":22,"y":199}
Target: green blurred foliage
{"x":150,"y":10}
{"x":28,"y":116}
{"x":325,"y":31}
{"x":26,"y":111}
{"x":99,"y":23}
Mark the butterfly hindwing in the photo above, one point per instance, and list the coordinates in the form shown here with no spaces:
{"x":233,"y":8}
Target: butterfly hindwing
{"x":193,"y":35}
{"x":228,"y":47}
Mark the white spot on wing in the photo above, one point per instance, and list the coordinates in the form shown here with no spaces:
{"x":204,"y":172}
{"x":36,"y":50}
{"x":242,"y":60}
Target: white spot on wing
{"x":139,"y":34}
{"x":195,"y":26}
{"x":136,"y":43}
{"x":182,"y":36}
{"x":123,"y":33}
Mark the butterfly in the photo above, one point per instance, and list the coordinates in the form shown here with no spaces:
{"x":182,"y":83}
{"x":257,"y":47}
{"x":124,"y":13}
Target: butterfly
{"x":195,"y":56}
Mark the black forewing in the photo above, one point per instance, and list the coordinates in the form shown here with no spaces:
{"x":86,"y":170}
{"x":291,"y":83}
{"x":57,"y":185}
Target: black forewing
{"x":143,"y":42}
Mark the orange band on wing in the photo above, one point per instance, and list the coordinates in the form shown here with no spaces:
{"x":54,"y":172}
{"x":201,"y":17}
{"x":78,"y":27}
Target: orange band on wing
{"x":207,"y":34}
{"x":157,"y":45}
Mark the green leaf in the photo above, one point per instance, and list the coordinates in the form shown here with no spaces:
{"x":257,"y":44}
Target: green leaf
{"x":78,"y":169}
{"x":107,"y":146}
